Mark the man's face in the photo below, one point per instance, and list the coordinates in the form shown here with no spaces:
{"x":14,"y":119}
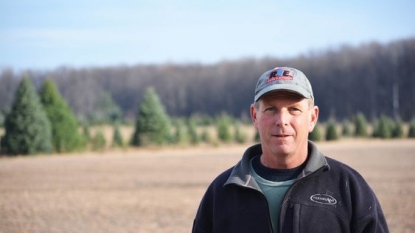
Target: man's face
{"x":284,"y":121}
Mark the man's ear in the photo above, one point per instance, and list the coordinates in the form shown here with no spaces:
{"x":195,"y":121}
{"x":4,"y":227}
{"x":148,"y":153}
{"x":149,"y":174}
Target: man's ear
{"x":313,"y":118}
{"x":253,"y":112}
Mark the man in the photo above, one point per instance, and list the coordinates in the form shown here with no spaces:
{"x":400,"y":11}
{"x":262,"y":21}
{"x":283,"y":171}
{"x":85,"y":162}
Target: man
{"x":285,"y":184}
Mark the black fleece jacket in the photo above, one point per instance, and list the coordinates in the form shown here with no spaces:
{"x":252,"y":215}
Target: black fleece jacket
{"x":328,"y":196}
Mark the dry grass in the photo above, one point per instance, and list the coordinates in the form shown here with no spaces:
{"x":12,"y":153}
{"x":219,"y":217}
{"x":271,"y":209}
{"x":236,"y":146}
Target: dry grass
{"x":159,"y":190}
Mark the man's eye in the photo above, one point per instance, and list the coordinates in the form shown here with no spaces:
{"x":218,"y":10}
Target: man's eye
{"x":295,"y":110}
{"x":270,"y":110}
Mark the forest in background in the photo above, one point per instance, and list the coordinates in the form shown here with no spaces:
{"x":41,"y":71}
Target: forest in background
{"x":374,"y":79}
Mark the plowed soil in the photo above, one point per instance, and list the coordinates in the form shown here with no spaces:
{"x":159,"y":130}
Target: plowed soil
{"x":158,"y":190}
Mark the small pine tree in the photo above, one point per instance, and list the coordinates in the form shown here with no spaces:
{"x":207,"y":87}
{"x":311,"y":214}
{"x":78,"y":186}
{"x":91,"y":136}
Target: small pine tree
{"x":152,"y":125}
{"x":240,"y":137}
{"x":411,"y":131}
{"x":205,"y":136}
{"x":86,"y":135}
{"x":375,"y":132}
{"x":65,"y":135}
{"x":99,"y":142}
{"x":223,"y":128}
{"x":192,"y":131}
{"x":360,"y":125}
{"x":180,"y":135}
{"x":257,"y":137}
{"x":331,"y":132}
{"x":1,"y":119}
{"x":27,"y":127}
{"x":397,"y":131}
{"x":383,"y":128}
{"x":315,"y":135}
{"x":117,"y":140}
{"x":346,"y":131}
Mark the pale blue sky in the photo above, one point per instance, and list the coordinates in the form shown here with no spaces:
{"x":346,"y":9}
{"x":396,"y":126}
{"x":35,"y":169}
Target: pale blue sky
{"x":45,"y":34}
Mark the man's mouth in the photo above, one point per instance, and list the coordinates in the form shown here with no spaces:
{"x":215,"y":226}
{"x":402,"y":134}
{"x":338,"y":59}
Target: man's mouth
{"x":281,"y":135}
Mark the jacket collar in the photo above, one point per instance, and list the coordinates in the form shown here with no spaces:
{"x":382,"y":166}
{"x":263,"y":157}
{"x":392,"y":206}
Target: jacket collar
{"x":242,"y":176}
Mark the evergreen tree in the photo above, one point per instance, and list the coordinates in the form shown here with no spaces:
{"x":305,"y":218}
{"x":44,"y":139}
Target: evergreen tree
{"x":27,"y":127}
{"x":86,"y":135}
{"x":375,"y":132}
{"x":152,"y":125}
{"x":315,"y":135}
{"x":257,"y":137}
{"x":383,"y":128}
{"x":223,"y":130}
{"x":1,"y":119}
{"x":99,"y":142}
{"x":360,"y":125}
{"x":331,"y":132}
{"x":397,"y":131}
{"x":411,"y":132}
{"x":192,"y":131}
{"x":117,"y":140}
{"x":346,"y":131}
{"x":240,"y":137}
{"x":180,"y":136}
{"x":65,"y":135}
{"x":205,"y":136}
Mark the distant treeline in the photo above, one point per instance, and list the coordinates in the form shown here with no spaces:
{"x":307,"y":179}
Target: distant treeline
{"x":374,"y":79}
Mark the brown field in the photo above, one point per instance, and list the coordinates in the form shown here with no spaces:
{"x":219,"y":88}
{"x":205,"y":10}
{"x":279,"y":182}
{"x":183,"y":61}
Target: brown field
{"x":158,"y":190}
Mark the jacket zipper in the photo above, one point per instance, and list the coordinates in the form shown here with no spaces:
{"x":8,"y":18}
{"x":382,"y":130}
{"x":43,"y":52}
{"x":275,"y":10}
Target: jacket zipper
{"x":267,"y":204}
{"x":285,"y":198}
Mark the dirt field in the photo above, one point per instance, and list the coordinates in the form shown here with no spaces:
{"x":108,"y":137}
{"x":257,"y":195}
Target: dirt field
{"x":159,"y":190}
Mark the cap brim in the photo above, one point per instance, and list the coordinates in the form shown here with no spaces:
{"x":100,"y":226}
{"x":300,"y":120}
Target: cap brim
{"x":284,"y":87}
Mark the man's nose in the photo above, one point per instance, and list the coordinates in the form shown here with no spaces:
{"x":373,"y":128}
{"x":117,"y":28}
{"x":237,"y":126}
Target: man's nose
{"x":281,"y":118}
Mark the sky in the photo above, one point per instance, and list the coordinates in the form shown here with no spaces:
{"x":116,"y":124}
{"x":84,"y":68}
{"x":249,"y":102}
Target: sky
{"x":46,"y":34}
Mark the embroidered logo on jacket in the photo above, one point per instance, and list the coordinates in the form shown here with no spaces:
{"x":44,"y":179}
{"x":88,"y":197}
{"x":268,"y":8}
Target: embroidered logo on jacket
{"x":323,"y":199}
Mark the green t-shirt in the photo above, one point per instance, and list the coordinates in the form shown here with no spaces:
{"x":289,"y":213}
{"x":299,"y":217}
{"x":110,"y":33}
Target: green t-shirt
{"x":274,"y":191}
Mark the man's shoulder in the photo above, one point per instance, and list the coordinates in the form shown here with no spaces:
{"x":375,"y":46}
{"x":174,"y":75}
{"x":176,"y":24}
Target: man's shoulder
{"x":221,"y":179}
{"x":337,"y":165}
{"x":340,"y":169}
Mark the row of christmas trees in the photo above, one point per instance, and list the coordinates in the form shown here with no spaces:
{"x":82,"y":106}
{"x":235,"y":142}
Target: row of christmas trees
{"x":384,"y":128}
{"x":43,"y":123}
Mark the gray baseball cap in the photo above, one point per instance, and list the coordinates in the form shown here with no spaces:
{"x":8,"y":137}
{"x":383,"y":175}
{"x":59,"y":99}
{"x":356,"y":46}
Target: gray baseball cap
{"x":283,"y":79}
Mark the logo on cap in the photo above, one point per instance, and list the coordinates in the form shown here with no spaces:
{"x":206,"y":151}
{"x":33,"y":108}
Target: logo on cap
{"x":280,"y":74}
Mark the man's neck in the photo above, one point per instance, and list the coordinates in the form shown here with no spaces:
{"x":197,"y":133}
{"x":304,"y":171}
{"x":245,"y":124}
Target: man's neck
{"x":284,"y":161}
{"x":276,"y":175}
